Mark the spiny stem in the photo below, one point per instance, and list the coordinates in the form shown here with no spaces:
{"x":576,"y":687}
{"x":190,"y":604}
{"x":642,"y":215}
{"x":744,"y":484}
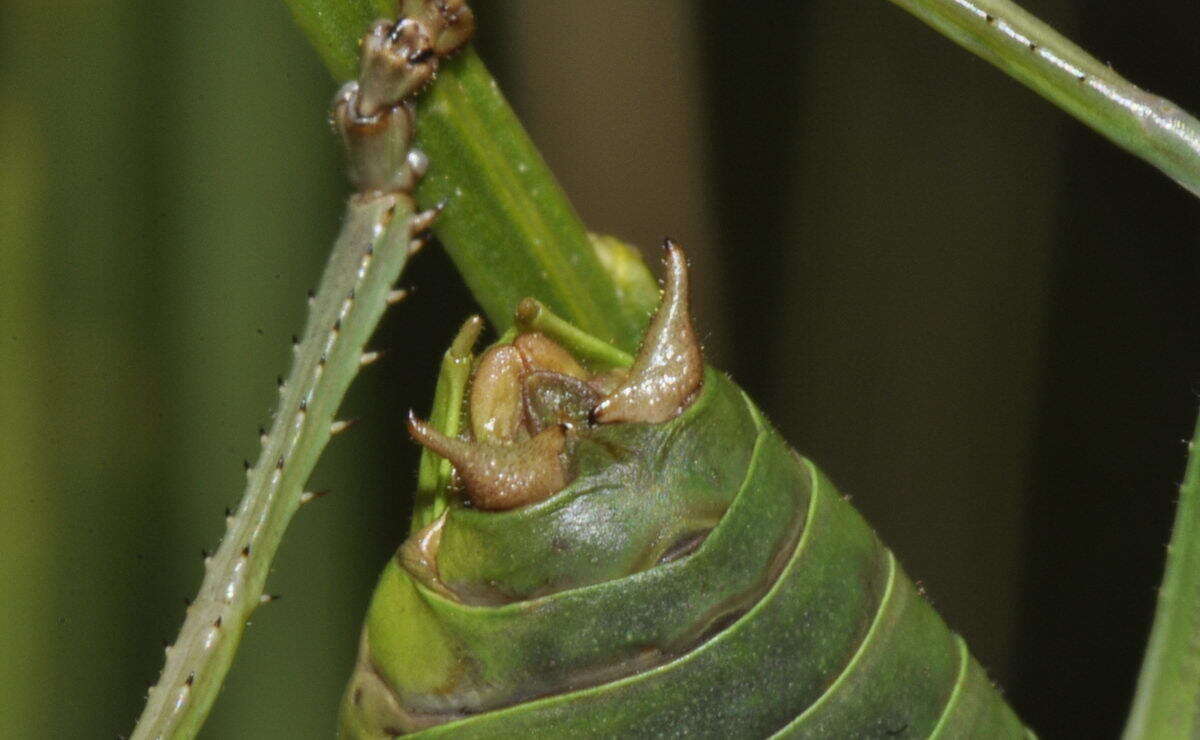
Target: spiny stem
{"x":374,"y":116}
{"x":367,"y":259}
{"x":1142,"y":123}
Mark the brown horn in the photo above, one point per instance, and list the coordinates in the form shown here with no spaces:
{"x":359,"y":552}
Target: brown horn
{"x":669,"y":366}
{"x":500,"y":476}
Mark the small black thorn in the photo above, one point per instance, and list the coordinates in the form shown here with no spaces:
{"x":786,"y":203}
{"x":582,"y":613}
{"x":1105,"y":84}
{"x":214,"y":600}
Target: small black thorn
{"x":191,"y":679}
{"x":246,"y":551}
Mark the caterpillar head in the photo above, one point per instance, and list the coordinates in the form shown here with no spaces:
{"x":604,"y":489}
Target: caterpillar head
{"x":530,"y":396}
{"x":580,"y":472}
{"x":571,"y":471}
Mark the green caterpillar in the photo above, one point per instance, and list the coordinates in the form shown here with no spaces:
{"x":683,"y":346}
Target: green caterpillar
{"x":629,"y":549}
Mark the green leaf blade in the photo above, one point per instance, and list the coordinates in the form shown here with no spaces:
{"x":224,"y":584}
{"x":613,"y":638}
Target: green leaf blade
{"x":1167,"y":703}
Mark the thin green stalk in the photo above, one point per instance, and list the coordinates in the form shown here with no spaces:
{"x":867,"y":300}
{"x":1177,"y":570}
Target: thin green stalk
{"x":1167,"y":703}
{"x":1143,"y":124}
{"x":506,"y":222}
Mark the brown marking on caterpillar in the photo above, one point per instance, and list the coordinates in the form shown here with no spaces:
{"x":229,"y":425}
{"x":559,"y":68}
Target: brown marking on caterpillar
{"x":541,"y":353}
{"x":553,"y":399}
{"x":418,"y":555}
{"x":495,"y":395}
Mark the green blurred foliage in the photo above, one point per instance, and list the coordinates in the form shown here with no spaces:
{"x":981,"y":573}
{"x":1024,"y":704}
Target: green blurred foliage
{"x":979,"y":318}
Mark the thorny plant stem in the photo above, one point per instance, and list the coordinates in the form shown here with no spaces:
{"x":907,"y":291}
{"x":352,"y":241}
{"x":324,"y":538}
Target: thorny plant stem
{"x":353,"y":293}
{"x":374,"y":116}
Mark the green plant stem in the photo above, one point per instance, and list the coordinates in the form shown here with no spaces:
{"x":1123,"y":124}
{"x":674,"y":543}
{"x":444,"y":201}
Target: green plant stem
{"x":1143,"y":124}
{"x":335,"y":26}
{"x":506,"y":222}
{"x":1167,"y":702}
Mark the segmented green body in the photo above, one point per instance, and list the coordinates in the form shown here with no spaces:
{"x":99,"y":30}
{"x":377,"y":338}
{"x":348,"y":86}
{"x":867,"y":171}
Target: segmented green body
{"x":697,"y":578}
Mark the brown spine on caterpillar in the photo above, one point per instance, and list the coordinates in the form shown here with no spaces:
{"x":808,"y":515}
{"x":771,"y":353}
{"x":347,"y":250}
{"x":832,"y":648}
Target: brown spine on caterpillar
{"x":528,"y":399}
{"x":669,"y":367}
{"x":500,"y":476}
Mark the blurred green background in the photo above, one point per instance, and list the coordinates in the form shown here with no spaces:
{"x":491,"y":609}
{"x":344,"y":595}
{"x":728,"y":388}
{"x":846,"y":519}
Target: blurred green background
{"x":980,"y":318}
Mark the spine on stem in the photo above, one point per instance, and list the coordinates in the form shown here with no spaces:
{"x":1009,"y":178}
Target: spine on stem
{"x":382,"y":228}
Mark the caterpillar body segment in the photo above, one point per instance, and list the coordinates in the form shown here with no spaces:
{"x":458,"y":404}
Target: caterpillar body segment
{"x":693,"y":577}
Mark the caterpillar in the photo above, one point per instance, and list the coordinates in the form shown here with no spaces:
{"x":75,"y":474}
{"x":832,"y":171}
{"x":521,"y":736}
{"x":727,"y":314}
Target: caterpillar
{"x":625,"y":547}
